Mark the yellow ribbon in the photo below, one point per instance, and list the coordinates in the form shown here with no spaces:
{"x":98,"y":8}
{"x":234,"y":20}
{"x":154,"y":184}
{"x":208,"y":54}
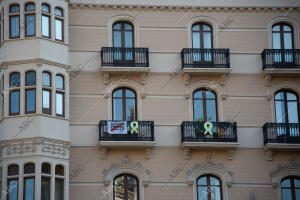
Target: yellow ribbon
{"x":134,"y":127}
{"x":208,"y":128}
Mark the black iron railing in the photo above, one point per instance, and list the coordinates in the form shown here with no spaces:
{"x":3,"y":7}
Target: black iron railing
{"x":197,"y":132}
{"x":143,"y":132}
{"x":281,"y":58}
{"x":281,"y":133}
{"x":125,"y":57}
{"x":205,"y":58}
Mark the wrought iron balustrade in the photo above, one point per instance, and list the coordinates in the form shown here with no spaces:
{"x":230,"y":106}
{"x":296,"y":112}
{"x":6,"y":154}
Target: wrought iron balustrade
{"x":281,"y":59}
{"x":281,"y":133}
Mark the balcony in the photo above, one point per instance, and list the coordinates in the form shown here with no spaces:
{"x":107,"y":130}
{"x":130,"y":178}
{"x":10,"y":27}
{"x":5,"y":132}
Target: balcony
{"x":196,"y":135}
{"x":281,"y":136}
{"x":128,"y":134}
{"x":281,"y":61}
{"x":205,"y":61}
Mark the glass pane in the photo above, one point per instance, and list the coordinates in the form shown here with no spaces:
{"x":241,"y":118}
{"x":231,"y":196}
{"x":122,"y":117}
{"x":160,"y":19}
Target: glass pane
{"x":287,"y":28}
{"x":210,"y":95}
{"x":46,"y":168}
{"x":196,"y":40}
{"x":46,"y":79}
{"x":215,"y":193}
{"x":14,"y":26}
{"x":29,"y":168}
{"x":211,"y":110}
{"x":276,"y":41}
{"x":117,"y":39}
{"x":59,"y":189}
{"x":196,"y":28}
{"x":45,"y":188}
{"x":293,"y":112}
{"x":286,"y":194}
{"x":130,"y":94}
{"x":297,"y":194}
{"x":202,"y":181}
{"x":45,"y":26}
{"x":276,"y":28}
{"x":59,"y":170}
{"x":46,"y":99}
{"x":128,"y":39}
{"x":118,"y":109}
{"x":202,"y":193}
{"x":297,"y":182}
{"x":286,"y":183}
{"x":45,"y":8}
{"x":288,"y":41}
{"x":279,"y":96}
{"x":14,"y":9}
{"x":59,"y":104}
{"x":15,"y":101}
{"x":30,"y":25}
{"x":280,"y":111}
{"x":12,"y":189}
{"x":29,"y":189}
{"x":198,"y":110}
{"x":58,"y":12}
{"x":30,"y":78}
{"x":14,"y":80}
{"x":198,"y":94}
{"x":58,"y":29}
{"x":13,"y":170}
{"x":119,"y":193}
{"x":30,"y":7}
{"x":30,"y":100}
{"x":131,"y":180}
{"x":132,"y":192}
{"x":128,"y":27}
{"x":119,"y":180}
{"x":207,"y":40}
{"x":130,"y":110}
{"x":117,"y":93}
{"x":214,"y":181}
{"x":206,"y":28}
{"x":59,"y":82}
{"x":117,"y":26}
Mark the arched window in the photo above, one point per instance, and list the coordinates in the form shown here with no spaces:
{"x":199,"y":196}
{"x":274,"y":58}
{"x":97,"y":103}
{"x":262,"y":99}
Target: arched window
{"x":282,"y":36}
{"x":14,"y":93}
{"x":29,"y":181}
{"x":46,"y":21}
{"x":205,"y":105}
{"x":126,"y":187}
{"x":46,"y":181}
{"x":30,"y":90}
{"x":124,"y":104}
{"x":123,"y":37}
{"x":59,"y":182}
{"x":290,"y":188}
{"x":286,"y":106}
{"x":59,"y":24}
{"x":14,"y":21}
{"x":12,"y":182}
{"x":60,"y":97}
{"x":202,"y":39}
{"x":209,"y":188}
{"x":46,"y":82}
{"x":29,"y":19}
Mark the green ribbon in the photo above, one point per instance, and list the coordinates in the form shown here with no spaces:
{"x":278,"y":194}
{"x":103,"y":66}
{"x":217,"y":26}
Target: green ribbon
{"x":208,"y":128}
{"x":134,"y":127}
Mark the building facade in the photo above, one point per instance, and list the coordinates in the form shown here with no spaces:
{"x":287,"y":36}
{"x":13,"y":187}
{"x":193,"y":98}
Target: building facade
{"x":143,"y":100}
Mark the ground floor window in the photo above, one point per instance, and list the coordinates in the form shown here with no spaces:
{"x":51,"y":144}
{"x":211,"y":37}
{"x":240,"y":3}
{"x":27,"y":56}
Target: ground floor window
{"x":126,"y":187}
{"x":209,"y":188}
{"x":290,"y":188}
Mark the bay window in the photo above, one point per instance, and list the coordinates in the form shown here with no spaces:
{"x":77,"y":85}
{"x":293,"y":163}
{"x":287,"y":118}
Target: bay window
{"x":59,"y":24}
{"x":29,"y":19}
{"x":46,"y":21}
{"x":14,"y":21}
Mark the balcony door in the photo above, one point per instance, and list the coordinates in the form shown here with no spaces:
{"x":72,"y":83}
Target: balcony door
{"x":124,"y":105}
{"x":205,"y":106}
{"x":123,"y":41}
{"x":282,"y":36}
{"x":202,"y":42}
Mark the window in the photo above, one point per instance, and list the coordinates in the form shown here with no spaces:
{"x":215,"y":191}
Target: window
{"x":46,"y":21}
{"x":29,"y":19}
{"x":14,"y":21}
{"x":286,"y":106}
{"x":29,"y":181}
{"x":123,"y":37}
{"x":205,"y":105}
{"x":126,"y":187}
{"x":30,"y":90}
{"x":290,"y":188}
{"x":202,"y":39}
{"x":124,"y":104}
{"x":12,"y":182}
{"x":282,"y":36}
{"x":2,"y":96}
{"x":59,"y":83}
{"x":14,"y":93}
{"x":46,"y":93}
{"x":59,"y":182}
{"x":209,"y":188}
{"x":59,"y":24}
{"x":46,"y":181}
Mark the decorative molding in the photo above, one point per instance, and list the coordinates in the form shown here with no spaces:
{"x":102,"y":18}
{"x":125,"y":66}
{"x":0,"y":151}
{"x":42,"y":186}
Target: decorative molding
{"x":224,"y":79}
{"x":186,"y":153}
{"x":54,"y":148}
{"x":38,"y":61}
{"x":106,"y":77}
{"x":143,"y":79}
{"x":268,"y":80}
{"x":104,"y":152}
{"x":230,"y":154}
{"x":186,"y":79}
{"x":20,"y":148}
{"x":270,"y":154}
{"x":148,"y":153}
{"x":128,"y":166}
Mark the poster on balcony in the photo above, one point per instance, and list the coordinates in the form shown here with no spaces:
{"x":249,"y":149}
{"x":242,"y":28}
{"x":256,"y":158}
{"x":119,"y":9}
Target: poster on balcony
{"x":117,"y":127}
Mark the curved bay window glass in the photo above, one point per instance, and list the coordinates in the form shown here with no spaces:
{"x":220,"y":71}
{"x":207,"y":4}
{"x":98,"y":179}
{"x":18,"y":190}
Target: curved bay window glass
{"x":59,"y":24}
{"x":29,"y":19}
{"x":46,"y":20}
{"x":12,"y":182}
{"x":123,"y":37}
{"x":205,"y":105}
{"x":59,"y":182}
{"x":30,"y":90}
{"x":126,"y":187}
{"x":14,"y":21}
{"x":124,"y":104}
{"x":290,"y":188}
{"x":46,"y":181}
{"x":14,"y":93}
{"x":46,"y":82}
{"x":29,"y":179}
{"x":282,"y":36}
{"x":60,"y":97}
{"x":209,"y":188}
{"x":202,"y":39}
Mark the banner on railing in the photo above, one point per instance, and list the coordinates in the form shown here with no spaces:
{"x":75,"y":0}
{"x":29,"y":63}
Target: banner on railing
{"x":117,"y":127}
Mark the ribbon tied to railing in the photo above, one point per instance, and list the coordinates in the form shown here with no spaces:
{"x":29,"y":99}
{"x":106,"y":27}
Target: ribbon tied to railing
{"x":134,"y":127}
{"x":208,"y":128}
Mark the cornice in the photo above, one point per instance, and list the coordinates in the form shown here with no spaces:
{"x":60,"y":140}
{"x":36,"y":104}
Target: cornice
{"x":181,"y":8}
